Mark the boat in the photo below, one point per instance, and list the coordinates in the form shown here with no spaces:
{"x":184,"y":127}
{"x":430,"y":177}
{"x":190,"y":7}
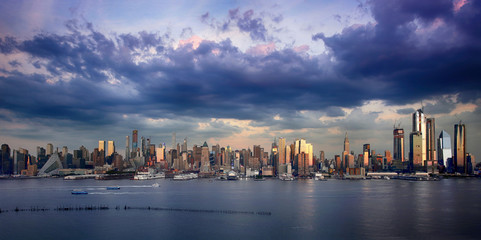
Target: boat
{"x":155,"y":185}
{"x":286,"y":177}
{"x":148,"y":176}
{"x":113,"y":188}
{"x":319,"y":177}
{"x":79,"y":192}
{"x":182,"y":177}
{"x":232,"y":176}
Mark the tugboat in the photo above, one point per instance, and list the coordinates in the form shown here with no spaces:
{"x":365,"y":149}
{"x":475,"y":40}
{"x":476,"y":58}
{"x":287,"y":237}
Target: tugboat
{"x":79,"y":192}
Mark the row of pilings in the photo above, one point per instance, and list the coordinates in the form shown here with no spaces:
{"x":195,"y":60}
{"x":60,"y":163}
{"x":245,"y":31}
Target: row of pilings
{"x":125,"y":208}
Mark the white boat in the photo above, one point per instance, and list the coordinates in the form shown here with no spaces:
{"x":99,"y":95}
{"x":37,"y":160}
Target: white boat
{"x":182,"y":177}
{"x":148,"y":176}
{"x":286,"y":177}
{"x":155,"y":185}
{"x":319,"y":177}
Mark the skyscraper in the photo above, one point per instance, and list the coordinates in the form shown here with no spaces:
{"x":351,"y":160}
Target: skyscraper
{"x":419,"y":125}
{"x":6,"y":163}
{"x":111,"y":149}
{"x":282,"y":150}
{"x":415,"y":145}
{"x":173,"y":141}
{"x":64,"y":151}
{"x":398,"y":144}
{"x":204,"y":159}
{"x":184,"y":145}
{"x":431,"y":145}
{"x":460,"y":148}
{"x":346,"y":143}
{"x":444,"y":149}
{"x":49,"y":149}
{"x":135,"y":140}
{"x":102,"y":146}
{"x":345,"y":153}
{"x":366,"y":150}
{"x":127,"y":148}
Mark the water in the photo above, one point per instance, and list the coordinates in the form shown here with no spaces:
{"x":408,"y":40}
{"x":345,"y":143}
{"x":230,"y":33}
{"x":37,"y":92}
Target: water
{"x":334,"y":209}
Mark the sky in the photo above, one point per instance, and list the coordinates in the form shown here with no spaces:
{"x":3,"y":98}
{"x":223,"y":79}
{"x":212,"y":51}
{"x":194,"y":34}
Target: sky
{"x":237,"y":73}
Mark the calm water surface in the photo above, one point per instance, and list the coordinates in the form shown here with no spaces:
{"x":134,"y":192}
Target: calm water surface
{"x":371,"y":209}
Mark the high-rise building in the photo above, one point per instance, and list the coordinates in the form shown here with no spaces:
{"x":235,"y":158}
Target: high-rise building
{"x":184,"y":145}
{"x":111,"y":149}
{"x":444,"y":149}
{"x":49,"y":149}
{"x":398,"y":144}
{"x":204,"y":159}
{"x":102,"y":147}
{"x":6,"y":161}
{"x":288,"y":154}
{"x":460,"y":148}
{"x":346,"y":143}
{"x":173,"y":141}
{"x":143,"y":149}
{"x":160,"y":153}
{"x":282,"y":150}
{"x":431,"y":146}
{"x":257,"y":151}
{"x":415,"y":145}
{"x":419,"y":125}
{"x":135,"y":140}
{"x":345,"y":153}
{"x":64,"y":151}
{"x":366,"y":150}
{"x":127,"y":148}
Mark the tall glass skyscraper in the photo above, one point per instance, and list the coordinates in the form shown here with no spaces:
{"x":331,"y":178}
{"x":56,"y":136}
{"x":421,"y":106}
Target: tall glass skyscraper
{"x":398,"y":144}
{"x":460,"y":148}
{"x":419,"y":125}
{"x":444,"y":148}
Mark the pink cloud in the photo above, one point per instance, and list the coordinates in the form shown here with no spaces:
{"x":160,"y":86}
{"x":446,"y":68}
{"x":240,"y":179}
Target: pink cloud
{"x":194,"y":40}
{"x":262,"y":49}
{"x":458,"y":4}
{"x":302,"y":48}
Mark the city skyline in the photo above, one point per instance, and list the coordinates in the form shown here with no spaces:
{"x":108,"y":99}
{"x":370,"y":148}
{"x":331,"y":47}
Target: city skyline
{"x":238,"y":74}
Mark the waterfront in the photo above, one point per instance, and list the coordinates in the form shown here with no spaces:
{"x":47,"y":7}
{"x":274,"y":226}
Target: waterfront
{"x":303,"y":209}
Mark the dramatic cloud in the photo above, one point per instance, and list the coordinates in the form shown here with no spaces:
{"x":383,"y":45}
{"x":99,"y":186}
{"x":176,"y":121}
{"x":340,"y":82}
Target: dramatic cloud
{"x":237,"y":79}
{"x":413,"y":51}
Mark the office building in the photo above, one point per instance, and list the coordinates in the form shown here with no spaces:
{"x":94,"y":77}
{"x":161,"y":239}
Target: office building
{"x":111,"y":149}
{"x":444,"y":149}
{"x":127,"y":148}
{"x":204,"y":159}
{"x":416,"y":150}
{"x":398,"y":144}
{"x":49,"y":149}
{"x":135,"y":140}
{"x":460,"y":148}
{"x":431,"y":164}
{"x":419,"y":125}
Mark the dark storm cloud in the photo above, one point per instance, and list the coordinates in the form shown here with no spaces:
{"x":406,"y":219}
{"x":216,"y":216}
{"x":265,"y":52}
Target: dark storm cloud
{"x":89,"y":77}
{"x":7,"y":44}
{"x":93,"y":78}
{"x":416,"y":50}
